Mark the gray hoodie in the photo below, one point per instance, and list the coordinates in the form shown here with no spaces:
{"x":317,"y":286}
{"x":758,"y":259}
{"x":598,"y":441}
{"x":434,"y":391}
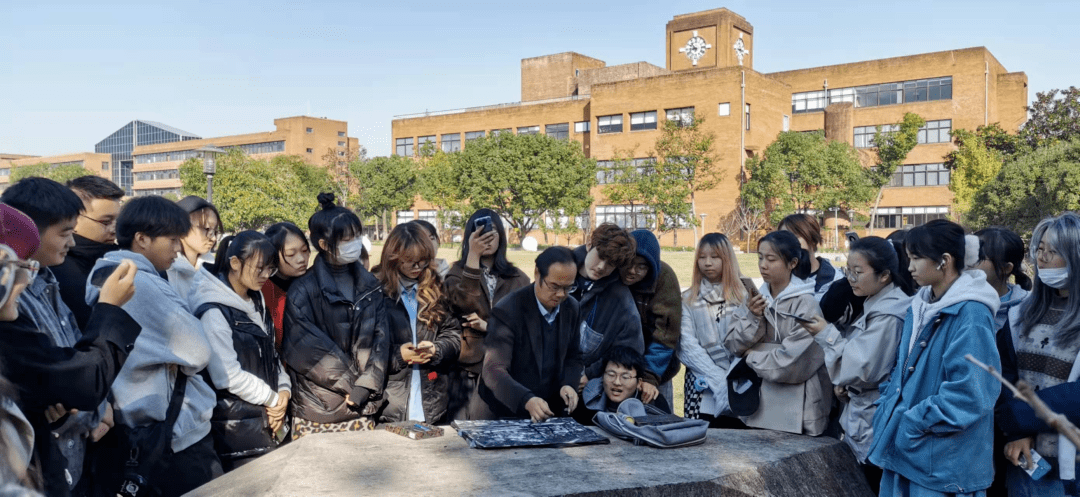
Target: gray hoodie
{"x":171,"y":340}
{"x":224,"y":368}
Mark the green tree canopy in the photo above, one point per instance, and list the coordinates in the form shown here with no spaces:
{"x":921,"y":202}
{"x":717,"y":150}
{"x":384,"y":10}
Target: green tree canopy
{"x":439,"y":184}
{"x":1052,"y":119}
{"x":522,"y":177}
{"x":386,"y":184}
{"x":253,"y":193}
{"x":973,"y":164}
{"x":892,"y":149}
{"x":1036,"y":184}
{"x":687,"y":164}
{"x":60,"y":174}
{"x":632,"y":182}
{"x":803,"y":171}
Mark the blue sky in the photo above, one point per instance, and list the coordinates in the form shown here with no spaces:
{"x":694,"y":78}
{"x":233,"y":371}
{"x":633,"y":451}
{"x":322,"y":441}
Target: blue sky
{"x":71,"y":73}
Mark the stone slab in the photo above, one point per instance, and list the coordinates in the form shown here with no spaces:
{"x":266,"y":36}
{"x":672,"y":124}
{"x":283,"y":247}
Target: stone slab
{"x":730,"y":463}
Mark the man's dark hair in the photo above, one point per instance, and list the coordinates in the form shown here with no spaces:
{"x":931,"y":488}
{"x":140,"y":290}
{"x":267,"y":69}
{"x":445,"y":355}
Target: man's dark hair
{"x":626,"y":357}
{"x":44,"y":200}
{"x":554,"y":255}
{"x":91,"y":187}
{"x":152,"y":216}
{"x":614,"y":245}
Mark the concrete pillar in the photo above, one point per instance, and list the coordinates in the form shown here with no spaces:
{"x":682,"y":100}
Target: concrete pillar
{"x":838,"y":122}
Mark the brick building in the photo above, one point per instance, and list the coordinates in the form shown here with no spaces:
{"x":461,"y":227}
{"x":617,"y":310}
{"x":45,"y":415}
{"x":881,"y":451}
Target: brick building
{"x":710,"y":72}
{"x":93,"y":162}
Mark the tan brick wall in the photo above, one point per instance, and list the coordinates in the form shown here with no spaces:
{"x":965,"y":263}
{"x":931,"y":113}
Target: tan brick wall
{"x":553,"y":76}
{"x":720,"y":28}
{"x":90,"y":161}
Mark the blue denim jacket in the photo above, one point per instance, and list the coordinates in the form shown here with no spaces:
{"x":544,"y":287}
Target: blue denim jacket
{"x":935,"y":419}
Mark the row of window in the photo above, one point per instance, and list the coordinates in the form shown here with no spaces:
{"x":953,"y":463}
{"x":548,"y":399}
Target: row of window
{"x":157,"y":191}
{"x":182,"y":155}
{"x":608,"y":173}
{"x":933,"y":132}
{"x":156,"y":175}
{"x":908,"y":217}
{"x":920,"y":175}
{"x":919,"y":90}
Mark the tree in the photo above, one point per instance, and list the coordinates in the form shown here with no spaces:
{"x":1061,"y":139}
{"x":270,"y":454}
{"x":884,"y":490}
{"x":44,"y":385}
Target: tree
{"x":686,"y":164}
{"x":340,"y":164}
{"x":972,"y":165}
{"x":632,"y":182}
{"x":1036,"y":184}
{"x":386,"y":185}
{"x":523,"y":176}
{"x":742,"y":222}
{"x":59,"y":173}
{"x":438,"y":183}
{"x":1052,"y":119}
{"x":253,"y":193}
{"x":803,"y":171}
{"x":892,"y":149}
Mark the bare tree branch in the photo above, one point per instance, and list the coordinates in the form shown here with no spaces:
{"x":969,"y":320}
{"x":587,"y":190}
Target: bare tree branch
{"x":1024,"y":392}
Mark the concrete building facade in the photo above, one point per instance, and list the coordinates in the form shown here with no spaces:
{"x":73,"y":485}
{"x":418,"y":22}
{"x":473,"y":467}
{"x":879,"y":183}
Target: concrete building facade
{"x":709,"y":73}
{"x":96,"y":163}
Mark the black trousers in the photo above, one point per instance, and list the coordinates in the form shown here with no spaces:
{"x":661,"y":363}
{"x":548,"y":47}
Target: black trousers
{"x":184,"y":471}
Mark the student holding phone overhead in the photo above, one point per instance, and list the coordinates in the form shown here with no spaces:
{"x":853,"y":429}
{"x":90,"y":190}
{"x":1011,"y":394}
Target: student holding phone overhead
{"x":766,"y":333}
{"x":475,"y":283}
{"x":424,"y":336}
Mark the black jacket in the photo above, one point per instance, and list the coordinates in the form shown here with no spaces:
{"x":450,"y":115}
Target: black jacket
{"x":334,"y":347}
{"x":72,"y":274}
{"x":434,"y":381}
{"x":609,"y":310}
{"x":242,"y":429}
{"x":511,"y":373}
{"x":79,"y":377}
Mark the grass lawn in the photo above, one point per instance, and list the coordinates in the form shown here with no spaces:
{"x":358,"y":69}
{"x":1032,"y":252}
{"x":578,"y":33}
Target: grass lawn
{"x":681,"y":261}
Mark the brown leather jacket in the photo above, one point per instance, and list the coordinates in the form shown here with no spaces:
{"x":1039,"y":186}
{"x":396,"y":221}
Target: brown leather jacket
{"x":467,"y":294}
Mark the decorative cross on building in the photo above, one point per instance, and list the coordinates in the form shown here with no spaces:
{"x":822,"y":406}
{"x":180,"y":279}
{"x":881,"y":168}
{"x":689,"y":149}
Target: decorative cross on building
{"x":695,"y":48}
{"x":740,"y":49}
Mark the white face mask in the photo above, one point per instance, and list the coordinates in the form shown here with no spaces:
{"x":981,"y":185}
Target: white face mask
{"x":1056,"y":277}
{"x":349,"y":252}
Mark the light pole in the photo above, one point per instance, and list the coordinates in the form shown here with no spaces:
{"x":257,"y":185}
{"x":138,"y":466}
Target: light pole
{"x":209,"y":155}
{"x":836,"y":224}
{"x":702,"y":226}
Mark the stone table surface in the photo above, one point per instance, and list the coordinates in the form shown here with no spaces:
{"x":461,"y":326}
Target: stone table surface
{"x":729,"y":463}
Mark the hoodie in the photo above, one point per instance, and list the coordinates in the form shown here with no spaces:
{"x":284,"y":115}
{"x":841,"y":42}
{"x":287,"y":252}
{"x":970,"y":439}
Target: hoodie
{"x":172,"y":340}
{"x":796,"y":395}
{"x":969,"y":286}
{"x":182,"y":275}
{"x":72,"y":273}
{"x":1013,"y":297}
{"x":225,"y":369}
{"x":660,"y":308}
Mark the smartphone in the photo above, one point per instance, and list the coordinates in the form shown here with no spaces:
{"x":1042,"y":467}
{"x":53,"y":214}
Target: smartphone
{"x":483,"y":224}
{"x":1039,"y":467}
{"x":797,"y":318}
{"x":749,"y":285}
{"x":423,"y":349}
{"x":852,"y":236}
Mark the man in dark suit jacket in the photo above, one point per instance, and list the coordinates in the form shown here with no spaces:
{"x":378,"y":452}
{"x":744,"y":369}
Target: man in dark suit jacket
{"x":533,"y":361}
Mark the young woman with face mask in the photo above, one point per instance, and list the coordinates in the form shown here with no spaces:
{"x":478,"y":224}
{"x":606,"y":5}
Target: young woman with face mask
{"x":795,"y":392}
{"x":293,"y":256}
{"x":335,"y":342}
{"x":424,"y":336}
{"x":252,"y":386}
{"x":1042,"y":347}
{"x":933,"y":429}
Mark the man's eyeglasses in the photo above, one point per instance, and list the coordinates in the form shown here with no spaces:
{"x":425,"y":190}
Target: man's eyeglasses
{"x":565,"y":290}
{"x":625,"y":377}
{"x":111,"y":223}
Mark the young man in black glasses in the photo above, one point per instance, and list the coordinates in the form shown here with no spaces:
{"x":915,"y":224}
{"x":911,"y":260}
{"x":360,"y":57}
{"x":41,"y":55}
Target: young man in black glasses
{"x":95,"y":236}
{"x":624,"y":370}
{"x":533,"y":361}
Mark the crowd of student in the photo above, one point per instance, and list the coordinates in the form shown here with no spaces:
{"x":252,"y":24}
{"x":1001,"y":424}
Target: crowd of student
{"x":134,"y":367}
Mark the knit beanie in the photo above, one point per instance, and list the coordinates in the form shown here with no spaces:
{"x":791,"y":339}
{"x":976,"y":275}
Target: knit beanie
{"x":18,"y":231}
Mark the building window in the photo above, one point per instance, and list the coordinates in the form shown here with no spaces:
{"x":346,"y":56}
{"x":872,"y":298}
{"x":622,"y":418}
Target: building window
{"x":529,"y":130}
{"x":626,"y":216}
{"x":920,"y":175}
{"x":920,"y":90}
{"x":559,"y":131}
{"x":723,"y":109}
{"x":581,"y":127}
{"x":157,"y":175}
{"x":684,"y":115}
{"x":924,"y":90}
{"x":807,"y":101}
{"x":104,"y":166}
{"x":747,"y":116}
{"x":402,"y":147}
{"x":341,"y":144}
{"x":5,"y":171}
{"x":311,"y":130}
{"x":310,"y":150}
{"x":261,"y":148}
{"x":451,"y":142}
{"x":908,"y":217}
{"x":157,"y":191}
{"x":425,"y":145}
{"x":429,"y":215}
{"x":936,"y":132}
{"x":404,"y":216}
{"x":495,"y":132}
{"x":607,"y":171}
{"x":341,"y":134}
{"x":642,"y":120}
{"x":864,"y":135}
{"x":473,"y":135}
{"x":609,"y":124}
{"x":787,"y":123}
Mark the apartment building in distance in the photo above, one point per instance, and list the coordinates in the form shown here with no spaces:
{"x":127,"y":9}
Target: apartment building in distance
{"x":709,"y":72}
{"x":96,"y":163}
{"x":156,"y":167}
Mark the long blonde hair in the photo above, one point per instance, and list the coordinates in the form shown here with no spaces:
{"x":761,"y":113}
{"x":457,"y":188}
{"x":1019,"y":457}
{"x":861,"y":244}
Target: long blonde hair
{"x":410,"y":240}
{"x":734,"y":291}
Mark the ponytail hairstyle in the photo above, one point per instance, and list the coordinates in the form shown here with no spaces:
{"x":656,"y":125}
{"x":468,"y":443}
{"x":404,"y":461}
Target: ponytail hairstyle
{"x":332,"y":223}
{"x":250,"y":246}
{"x":935,"y":239}
{"x":787,"y":245}
{"x":734,"y":291}
{"x":1062,"y":233}
{"x":884,"y":258}
{"x":1001,"y":246}
{"x":410,"y":241}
